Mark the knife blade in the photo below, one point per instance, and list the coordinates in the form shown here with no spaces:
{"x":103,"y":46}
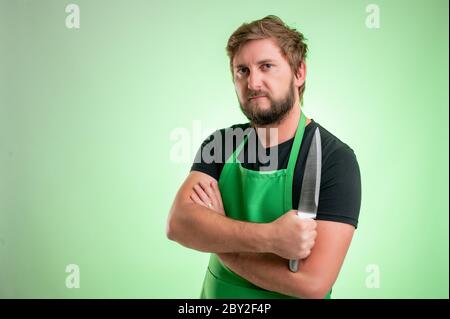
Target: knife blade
{"x":309,"y":194}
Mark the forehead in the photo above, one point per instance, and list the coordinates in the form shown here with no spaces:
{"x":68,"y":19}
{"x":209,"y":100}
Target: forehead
{"x":258,"y":50}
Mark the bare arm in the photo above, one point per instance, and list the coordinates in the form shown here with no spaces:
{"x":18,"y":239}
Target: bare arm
{"x":198,"y":227}
{"x":316,"y":274}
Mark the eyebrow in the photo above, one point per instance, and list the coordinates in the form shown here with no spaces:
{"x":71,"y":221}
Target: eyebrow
{"x":259,"y":63}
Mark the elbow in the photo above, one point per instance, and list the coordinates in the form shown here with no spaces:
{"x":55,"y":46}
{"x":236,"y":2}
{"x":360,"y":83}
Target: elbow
{"x":171,"y":225}
{"x":172,"y":231}
{"x":175,"y":222}
{"x":170,"y":234}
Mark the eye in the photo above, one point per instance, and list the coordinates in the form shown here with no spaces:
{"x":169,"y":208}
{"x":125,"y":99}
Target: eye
{"x":242,"y":70}
{"x":267,"y":66}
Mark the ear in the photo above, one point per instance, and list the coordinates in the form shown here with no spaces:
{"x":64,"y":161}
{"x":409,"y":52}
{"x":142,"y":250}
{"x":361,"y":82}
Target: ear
{"x":300,"y":75}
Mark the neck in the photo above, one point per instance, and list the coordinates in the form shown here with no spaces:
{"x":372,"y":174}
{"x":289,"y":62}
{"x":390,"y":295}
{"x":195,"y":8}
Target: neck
{"x":277,"y":133}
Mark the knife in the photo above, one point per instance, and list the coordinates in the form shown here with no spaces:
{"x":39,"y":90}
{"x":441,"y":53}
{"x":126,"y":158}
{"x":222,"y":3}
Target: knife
{"x":309,"y":195}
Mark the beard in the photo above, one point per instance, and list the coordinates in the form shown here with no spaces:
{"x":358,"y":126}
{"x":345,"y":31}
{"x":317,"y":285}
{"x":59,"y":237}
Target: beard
{"x":277,"y":111}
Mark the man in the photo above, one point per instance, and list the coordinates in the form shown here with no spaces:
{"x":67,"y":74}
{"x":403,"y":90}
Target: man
{"x":245,"y":214}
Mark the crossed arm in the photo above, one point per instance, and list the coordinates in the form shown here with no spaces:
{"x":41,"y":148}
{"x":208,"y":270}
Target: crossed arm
{"x":317,"y":273}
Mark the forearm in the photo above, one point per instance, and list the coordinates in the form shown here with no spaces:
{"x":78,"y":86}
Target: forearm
{"x":271,"y":272}
{"x":200,"y":228}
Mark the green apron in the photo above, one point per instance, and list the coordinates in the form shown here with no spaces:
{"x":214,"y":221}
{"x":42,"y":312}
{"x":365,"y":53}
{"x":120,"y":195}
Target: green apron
{"x":252,"y":196}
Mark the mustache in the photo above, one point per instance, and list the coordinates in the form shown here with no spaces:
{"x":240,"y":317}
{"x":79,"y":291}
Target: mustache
{"x":252,"y":94}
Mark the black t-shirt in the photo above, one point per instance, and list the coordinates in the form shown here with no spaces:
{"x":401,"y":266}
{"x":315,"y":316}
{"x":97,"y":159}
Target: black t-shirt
{"x":340,"y":185}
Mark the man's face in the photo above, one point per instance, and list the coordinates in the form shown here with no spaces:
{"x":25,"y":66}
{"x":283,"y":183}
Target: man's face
{"x":264,"y":82}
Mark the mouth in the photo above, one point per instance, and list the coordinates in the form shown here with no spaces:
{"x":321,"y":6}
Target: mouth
{"x":256,"y":97}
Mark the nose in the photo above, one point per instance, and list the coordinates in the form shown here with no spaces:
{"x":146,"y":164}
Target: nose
{"x":254,"y":81}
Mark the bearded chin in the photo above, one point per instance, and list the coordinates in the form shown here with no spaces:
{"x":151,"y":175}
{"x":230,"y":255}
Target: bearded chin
{"x":275,"y":114}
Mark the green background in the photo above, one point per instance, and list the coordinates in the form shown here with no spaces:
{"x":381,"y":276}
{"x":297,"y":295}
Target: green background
{"x":86,"y":117}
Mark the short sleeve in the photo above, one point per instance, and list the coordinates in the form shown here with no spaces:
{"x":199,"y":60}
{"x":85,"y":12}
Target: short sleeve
{"x":340,"y":190}
{"x":208,"y":158}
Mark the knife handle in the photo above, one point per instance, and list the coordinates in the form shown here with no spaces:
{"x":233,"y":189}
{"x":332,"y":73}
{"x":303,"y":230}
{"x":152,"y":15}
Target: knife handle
{"x":293,"y":263}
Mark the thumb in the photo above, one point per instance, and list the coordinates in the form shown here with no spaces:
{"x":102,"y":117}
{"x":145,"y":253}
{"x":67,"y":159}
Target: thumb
{"x":293,"y":212}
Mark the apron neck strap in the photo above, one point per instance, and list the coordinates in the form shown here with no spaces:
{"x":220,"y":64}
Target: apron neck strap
{"x":292,"y":161}
{"x":297,"y":142}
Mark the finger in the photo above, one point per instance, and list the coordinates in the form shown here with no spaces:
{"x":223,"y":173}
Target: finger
{"x":216,"y":190}
{"x":310,"y":236}
{"x":307,"y":253}
{"x":310,"y":224}
{"x":210,"y":192}
{"x":201,"y":193}
{"x":197,"y":200}
{"x":309,"y":244}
